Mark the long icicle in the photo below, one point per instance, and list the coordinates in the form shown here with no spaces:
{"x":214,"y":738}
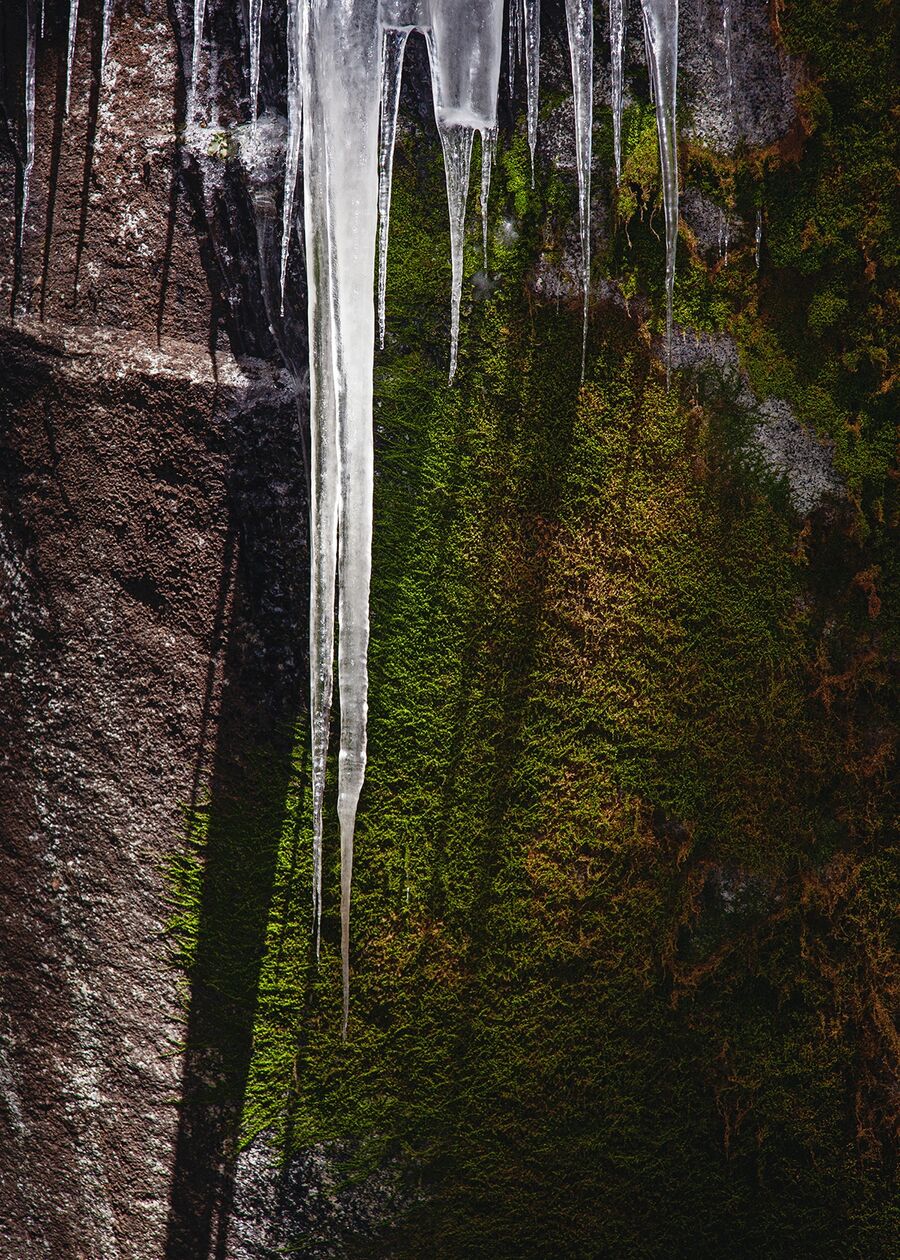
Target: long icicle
{"x":105,"y":19}
{"x":533,"y":72}
{"x":617,"y":21}
{"x":488,"y":151}
{"x":295,"y":37}
{"x":341,"y":77}
{"x":199,"y":16}
{"x":513,"y":43}
{"x":70,"y":50}
{"x":255,"y":30}
{"x":661,"y":36}
{"x":391,"y":77}
{"x":580,"y":24}
{"x":456,"y":141}
{"x":28,"y":148}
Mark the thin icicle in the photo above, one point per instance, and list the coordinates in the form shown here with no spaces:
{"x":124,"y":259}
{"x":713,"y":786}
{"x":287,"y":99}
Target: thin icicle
{"x":70,"y":50}
{"x":488,"y":150}
{"x":513,"y":44}
{"x":43,"y":5}
{"x":391,"y":77}
{"x":105,"y":19}
{"x":255,"y":29}
{"x":456,"y":141}
{"x":661,"y":36}
{"x":464,"y":50}
{"x":617,"y":21}
{"x":580,"y":24}
{"x":759,"y":233}
{"x":28,"y":148}
{"x":295,"y":27}
{"x":532,"y":72}
{"x":199,"y":16}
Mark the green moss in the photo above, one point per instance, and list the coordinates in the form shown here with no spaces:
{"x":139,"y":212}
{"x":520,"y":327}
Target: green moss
{"x":621,"y":926}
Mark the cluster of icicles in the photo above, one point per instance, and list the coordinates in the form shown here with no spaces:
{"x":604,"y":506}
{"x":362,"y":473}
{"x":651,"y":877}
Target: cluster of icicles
{"x":345,"y":62}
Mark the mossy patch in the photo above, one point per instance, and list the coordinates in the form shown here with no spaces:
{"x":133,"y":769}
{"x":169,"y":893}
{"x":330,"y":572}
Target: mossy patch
{"x":622,"y":953}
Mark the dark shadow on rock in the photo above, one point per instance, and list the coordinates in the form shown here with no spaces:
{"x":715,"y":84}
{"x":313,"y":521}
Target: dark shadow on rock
{"x":263,"y":606}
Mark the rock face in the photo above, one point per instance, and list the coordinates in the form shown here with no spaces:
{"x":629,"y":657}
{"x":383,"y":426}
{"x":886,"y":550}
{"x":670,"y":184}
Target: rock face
{"x":153,"y":580}
{"x":153,"y":551}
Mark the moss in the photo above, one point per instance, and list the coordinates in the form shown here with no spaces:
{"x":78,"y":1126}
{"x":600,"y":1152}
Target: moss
{"x":622,"y":943}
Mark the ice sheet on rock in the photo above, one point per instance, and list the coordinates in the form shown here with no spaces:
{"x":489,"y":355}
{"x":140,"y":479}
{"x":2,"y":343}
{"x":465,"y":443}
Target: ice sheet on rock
{"x":617,"y":21}
{"x":70,"y":50}
{"x":580,"y":25}
{"x":661,"y":39}
{"x":532,"y":72}
{"x":392,"y":74}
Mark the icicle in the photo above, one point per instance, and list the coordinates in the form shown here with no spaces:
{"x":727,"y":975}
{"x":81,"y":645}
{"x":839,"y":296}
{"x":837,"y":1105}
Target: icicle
{"x":513,"y":45}
{"x":105,"y":17}
{"x":199,"y":15}
{"x":28,"y":149}
{"x":661,"y":36}
{"x":580,"y":24}
{"x":43,"y":5}
{"x":488,"y":150}
{"x":295,"y":37}
{"x":70,"y":50}
{"x":392,"y":73}
{"x":341,"y":80}
{"x":759,"y":233}
{"x":456,"y":141}
{"x":532,"y":71}
{"x":255,"y":28}
{"x":464,"y":49}
{"x":726,"y":32}
{"x":617,"y":20}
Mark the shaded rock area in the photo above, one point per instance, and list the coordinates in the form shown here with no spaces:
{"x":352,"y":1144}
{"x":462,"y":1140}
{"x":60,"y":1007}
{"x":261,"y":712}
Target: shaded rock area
{"x":153,"y":525}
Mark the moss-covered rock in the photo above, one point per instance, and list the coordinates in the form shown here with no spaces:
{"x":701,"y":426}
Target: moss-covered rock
{"x":622,"y":955}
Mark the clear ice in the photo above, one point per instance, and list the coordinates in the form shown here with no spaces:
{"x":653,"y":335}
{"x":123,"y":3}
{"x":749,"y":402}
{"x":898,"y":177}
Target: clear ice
{"x":70,"y":50}
{"x":392,"y":74}
{"x":533,"y":71}
{"x":296,"y":20}
{"x":617,"y":19}
{"x":199,"y":15}
{"x":105,"y":18}
{"x":759,"y":230}
{"x":580,"y":24}
{"x":488,"y":151}
{"x":28,"y":148}
{"x":661,"y":40}
{"x":255,"y":28}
